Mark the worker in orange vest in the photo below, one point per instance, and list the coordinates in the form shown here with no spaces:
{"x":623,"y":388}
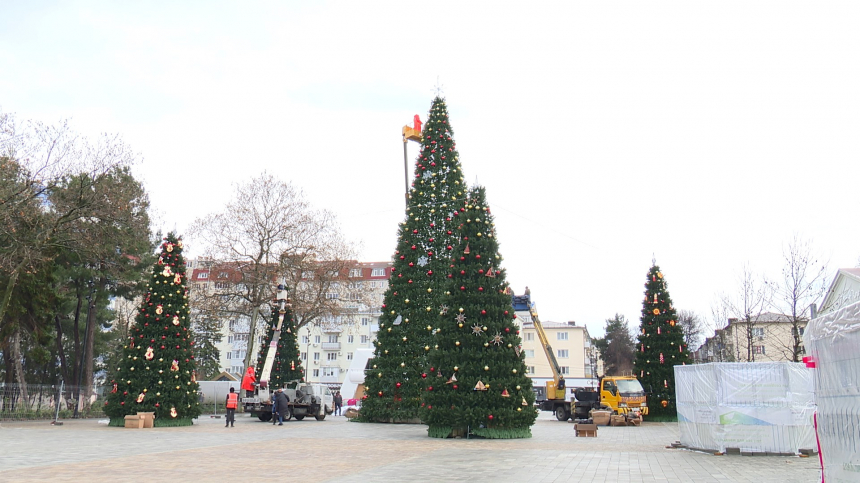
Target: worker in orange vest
{"x":232,"y":404}
{"x":248,"y":382}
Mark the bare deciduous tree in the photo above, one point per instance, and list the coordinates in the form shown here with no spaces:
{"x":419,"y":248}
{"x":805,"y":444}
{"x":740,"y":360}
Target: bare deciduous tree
{"x":803,"y":284}
{"x":692,"y":326}
{"x":751,"y":300}
{"x":269,"y":231}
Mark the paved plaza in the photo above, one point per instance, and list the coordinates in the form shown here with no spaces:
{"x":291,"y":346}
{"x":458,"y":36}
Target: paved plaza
{"x":337,"y":450}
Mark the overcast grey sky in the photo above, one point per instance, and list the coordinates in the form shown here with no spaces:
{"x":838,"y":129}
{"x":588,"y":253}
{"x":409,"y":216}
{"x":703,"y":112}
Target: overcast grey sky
{"x":704,"y":134}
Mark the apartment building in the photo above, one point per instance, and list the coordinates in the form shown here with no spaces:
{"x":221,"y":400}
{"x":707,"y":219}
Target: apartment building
{"x":571,"y":345}
{"x":327,"y":343}
{"x":767,"y":337}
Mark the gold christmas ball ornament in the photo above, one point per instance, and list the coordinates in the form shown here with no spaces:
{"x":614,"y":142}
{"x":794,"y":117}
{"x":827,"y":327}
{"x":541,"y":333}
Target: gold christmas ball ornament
{"x":460,"y":309}
{"x":456,"y":368}
{"x":514,"y":371}
{"x":656,"y":311}
{"x":486,"y":368}
{"x":457,"y":343}
{"x":664,"y":403}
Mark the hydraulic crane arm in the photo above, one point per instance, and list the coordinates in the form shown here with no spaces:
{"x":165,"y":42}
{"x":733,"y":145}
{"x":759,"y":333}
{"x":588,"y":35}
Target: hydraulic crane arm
{"x":544,"y":341}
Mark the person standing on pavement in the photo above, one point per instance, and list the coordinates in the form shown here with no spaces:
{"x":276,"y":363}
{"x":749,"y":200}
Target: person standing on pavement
{"x":283,"y":405}
{"x":232,"y":404}
{"x":338,"y":403}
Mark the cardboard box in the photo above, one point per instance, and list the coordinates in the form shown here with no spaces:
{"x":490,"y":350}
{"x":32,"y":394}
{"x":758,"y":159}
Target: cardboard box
{"x":600,"y":418}
{"x":618,"y":420}
{"x":133,"y":421}
{"x":148,"y":419}
{"x":586,"y":430}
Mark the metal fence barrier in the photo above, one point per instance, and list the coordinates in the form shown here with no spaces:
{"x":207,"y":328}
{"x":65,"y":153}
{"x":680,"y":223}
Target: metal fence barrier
{"x":38,"y":401}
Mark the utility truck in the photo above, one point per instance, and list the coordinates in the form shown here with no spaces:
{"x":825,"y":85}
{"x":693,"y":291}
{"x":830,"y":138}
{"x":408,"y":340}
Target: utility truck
{"x":306,"y":399}
{"x":619,"y":394}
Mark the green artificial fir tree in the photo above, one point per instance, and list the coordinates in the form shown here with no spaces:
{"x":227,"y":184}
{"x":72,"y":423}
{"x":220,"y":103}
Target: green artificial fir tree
{"x":287,"y":363}
{"x":156,"y":372}
{"x":661,"y":346}
{"x":424,"y":244}
{"x":476,"y":377}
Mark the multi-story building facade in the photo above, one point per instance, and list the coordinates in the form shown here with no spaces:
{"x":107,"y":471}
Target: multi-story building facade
{"x":767,"y":337}
{"x":571,"y":345}
{"x":327,"y":343}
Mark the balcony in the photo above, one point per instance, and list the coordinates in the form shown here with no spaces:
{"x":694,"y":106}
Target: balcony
{"x":330,"y":379}
{"x":331,"y":346}
{"x":332,"y":330}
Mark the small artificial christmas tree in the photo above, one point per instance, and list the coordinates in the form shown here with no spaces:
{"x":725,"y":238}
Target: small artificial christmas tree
{"x":661,"y":346}
{"x":287,"y":364}
{"x":424,"y":243}
{"x":157,"y":370}
{"x":476,"y":377}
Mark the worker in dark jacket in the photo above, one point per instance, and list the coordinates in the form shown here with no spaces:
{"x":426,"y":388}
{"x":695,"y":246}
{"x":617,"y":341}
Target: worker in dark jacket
{"x":282,"y":401}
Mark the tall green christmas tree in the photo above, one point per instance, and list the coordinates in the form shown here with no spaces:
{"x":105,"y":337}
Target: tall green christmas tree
{"x":287,"y":364}
{"x":476,"y":376}
{"x":157,"y":370}
{"x":661,"y":346}
{"x":424,"y":243}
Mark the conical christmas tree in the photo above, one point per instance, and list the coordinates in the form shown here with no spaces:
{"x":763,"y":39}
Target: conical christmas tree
{"x":661,"y":346}
{"x":476,"y":377}
{"x":156,"y":372}
{"x":393,"y":382}
{"x":287,"y":363}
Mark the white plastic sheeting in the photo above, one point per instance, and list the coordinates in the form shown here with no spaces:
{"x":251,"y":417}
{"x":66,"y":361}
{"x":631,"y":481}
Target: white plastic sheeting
{"x":833,"y":342}
{"x":757,"y":407}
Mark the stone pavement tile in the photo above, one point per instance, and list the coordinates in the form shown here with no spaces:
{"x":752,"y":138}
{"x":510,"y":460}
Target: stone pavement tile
{"x":339,"y":451}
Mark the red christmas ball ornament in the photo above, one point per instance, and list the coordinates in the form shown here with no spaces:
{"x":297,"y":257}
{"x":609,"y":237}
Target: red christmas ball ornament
{"x":490,"y":417}
{"x":462,"y":272}
{"x":411,"y":264}
{"x":380,"y":393}
{"x":480,"y":289}
{"x":157,"y":405}
{"x":429,"y":272}
{"x":507,"y":329}
{"x":122,"y":403}
{"x":432,"y":163}
{"x":424,"y":375}
{"x":455,"y":386}
{"x":415,"y":231}
{"x":483,"y":312}
{"x":449,"y":247}
{"x":462,"y":287}
{"x":430,"y":388}
{"x":481,"y":271}
{"x":478,"y":257}
{"x":413,"y":247}
{"x":461,"y":259}
{"x":506,"y":312}
{"x":402,"y":257}
{"x":398,"y":384}
{"x":450,"y":276}
{"x":449,"y":232}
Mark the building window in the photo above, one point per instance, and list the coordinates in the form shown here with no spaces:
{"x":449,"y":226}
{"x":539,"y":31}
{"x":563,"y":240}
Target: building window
{"x":308,"y":275}
{"x":203,"y":275}
{"x":230,"y":355}
{"x":229,"y":339}
{"x":377,"y":284}
{"x":332,"y":356}
{"x":758,"y":331}
{"x":316,"y":373}
{"x":561,"y":336}
{"x":528,"y":336}
{"x":329,"y":372}
{"x":332,"y":296}
{"x":564,"y":370}
{"x":316,"y":339}
{"x":758,"y":349}
{"x":364,"y":339}
{"x":332,"y":338}
{"x":232,"y":325}
{"x":531,"y":369}
{"x":222,"y":285}
{"x":562,"y":353}
{"x":525,"y":319}
{"x":236,"y":355}
{"x":316,"y":356}
{"x":377,"y":272}
{"x":349,"y":356}
{"x":304,"y":339}
{"x":530,"y":353}
{"x":304,"y":356}
{"x":355,"y":272}
{"x":350,"y":339}
{"x":365,"y":320}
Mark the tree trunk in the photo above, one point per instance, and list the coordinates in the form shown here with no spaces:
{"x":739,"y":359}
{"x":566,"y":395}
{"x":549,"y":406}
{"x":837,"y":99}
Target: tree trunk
{"x":250,"y":345}
{"x":76,"y":331}
{"x":64,"y":368}
{"x":10,"y":286}
{"x":88,"y":350}
{"x":18,"y":363}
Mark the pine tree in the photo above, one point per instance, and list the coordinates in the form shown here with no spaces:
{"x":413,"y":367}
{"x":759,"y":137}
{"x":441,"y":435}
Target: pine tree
{"x":661,"y":346}
{"x":207,"y":336}
{"x":156,"y":371}
{"x":424,"y":243}
{"x":287,"y":365}
{"x":476,"y":378}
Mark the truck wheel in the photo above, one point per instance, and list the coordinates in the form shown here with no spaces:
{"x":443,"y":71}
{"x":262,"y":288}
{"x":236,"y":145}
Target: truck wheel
{"x":288,"y":415}
{"x":300,"y":417}
{"x":561,"y":413}
{"x":320,"y":417}
{"x":265,"y":417}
